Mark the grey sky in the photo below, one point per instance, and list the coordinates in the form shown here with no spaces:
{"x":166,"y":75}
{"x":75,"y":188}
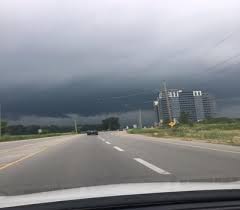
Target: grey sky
{"x":57,"y":57}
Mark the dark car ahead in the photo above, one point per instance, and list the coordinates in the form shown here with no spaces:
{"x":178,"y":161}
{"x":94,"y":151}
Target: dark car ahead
{"x":92,"y":132}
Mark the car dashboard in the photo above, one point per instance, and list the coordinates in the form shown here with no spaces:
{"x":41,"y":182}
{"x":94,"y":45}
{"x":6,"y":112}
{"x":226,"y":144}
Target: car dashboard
{"x":214,"y":199}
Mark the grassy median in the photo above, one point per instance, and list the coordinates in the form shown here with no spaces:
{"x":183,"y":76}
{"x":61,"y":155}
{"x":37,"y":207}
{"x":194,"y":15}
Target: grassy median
{"x":221,"y":133}
{"x":25,"y":137}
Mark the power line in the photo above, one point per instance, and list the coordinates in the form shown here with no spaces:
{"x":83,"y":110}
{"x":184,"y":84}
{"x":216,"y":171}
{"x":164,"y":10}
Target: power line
{"x":183,"y":50}
{"x":217,"y":44}
{"x":220,"y":42}
{"x":225,"y":68}
{"x":227,"y":37}
{"x":144,"y":102}
{"x":130,"y":95}
{"x":220,"y":71}
{"x":224,"y":39}
{"x":224,"y":61}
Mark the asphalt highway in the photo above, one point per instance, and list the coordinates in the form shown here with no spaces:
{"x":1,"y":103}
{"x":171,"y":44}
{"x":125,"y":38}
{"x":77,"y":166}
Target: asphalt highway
{"x":111,"y":158}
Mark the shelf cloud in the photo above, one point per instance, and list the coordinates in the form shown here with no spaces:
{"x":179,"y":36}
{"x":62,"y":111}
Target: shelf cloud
{"x":92,"y":58}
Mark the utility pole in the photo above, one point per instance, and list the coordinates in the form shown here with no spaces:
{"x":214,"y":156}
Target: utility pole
{"x":75,"y":125}
{"x":156,"y":107}
{"x":140,"y":118}
{"x":0,"y":121}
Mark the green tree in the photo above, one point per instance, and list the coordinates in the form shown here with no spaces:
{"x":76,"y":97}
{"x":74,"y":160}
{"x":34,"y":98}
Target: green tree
{"x":184,"y":118}
{"x":4,"y":126}
{"x":111,"y":123}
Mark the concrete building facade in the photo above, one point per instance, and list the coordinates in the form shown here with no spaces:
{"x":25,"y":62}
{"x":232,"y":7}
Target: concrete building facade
{"x":197,"y":104}
{"x":209,"y":105}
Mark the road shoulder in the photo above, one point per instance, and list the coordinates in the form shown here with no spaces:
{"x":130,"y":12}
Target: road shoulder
{"x":180,"y":142}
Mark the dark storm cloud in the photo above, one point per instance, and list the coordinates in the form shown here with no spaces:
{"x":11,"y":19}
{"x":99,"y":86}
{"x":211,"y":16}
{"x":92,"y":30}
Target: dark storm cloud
{"x":62,"y":57}
{"x":127,"y":118}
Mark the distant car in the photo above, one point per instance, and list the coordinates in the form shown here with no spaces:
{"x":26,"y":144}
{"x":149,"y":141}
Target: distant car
{"x":92,"y":132}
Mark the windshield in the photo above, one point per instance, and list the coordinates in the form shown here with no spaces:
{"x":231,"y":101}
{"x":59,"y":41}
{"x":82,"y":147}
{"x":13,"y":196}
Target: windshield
{"x":116,"y":91}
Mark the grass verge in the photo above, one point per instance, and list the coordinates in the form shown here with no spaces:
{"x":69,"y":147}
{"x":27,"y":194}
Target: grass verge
{"x":25,"y":137}
{"x":208,"y":133}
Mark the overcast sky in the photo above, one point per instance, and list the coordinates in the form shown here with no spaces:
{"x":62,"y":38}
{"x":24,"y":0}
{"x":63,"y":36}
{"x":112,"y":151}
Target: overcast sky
{"x":93,"y":58}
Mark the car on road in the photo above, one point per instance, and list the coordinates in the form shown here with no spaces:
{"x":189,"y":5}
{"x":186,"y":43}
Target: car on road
{"x":92,"y":132}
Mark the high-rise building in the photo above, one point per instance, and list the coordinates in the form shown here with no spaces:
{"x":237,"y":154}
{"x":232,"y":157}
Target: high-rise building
{"x":209,"y":105}
{"x":169,"y":105}
{"x":191,"y":103}
{"x":174,"y":104}
{"x":197,"y":104}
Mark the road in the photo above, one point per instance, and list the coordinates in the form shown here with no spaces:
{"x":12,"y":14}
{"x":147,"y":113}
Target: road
{"x":110,"y":158}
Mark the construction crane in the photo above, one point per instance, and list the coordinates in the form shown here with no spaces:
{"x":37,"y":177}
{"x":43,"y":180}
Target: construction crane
{"x":165,"y":92}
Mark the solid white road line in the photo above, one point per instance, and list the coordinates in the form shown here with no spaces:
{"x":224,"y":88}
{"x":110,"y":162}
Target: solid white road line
{"x":107,"y":142}
{"x":119,"y":149}
{"x":151,"y":166}
{"x":201,"y":147}
{"x":193,"y":146}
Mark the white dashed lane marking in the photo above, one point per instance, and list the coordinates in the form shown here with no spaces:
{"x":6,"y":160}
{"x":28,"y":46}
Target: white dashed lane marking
{"x":119,"y":149}
{"x":151,"y":166}
{"x":101,"y":138}
{"x":139,"y":160}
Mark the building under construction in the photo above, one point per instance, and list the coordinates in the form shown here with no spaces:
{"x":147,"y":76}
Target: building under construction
{"x":170,"y":103}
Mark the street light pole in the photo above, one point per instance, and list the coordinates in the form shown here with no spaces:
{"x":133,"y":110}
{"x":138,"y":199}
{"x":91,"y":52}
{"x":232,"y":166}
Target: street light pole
{"x":75,"y":125}
{"x":140,"y":118}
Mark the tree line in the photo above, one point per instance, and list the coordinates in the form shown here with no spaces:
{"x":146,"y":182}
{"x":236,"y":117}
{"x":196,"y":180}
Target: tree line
{"x":111,"y":123}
